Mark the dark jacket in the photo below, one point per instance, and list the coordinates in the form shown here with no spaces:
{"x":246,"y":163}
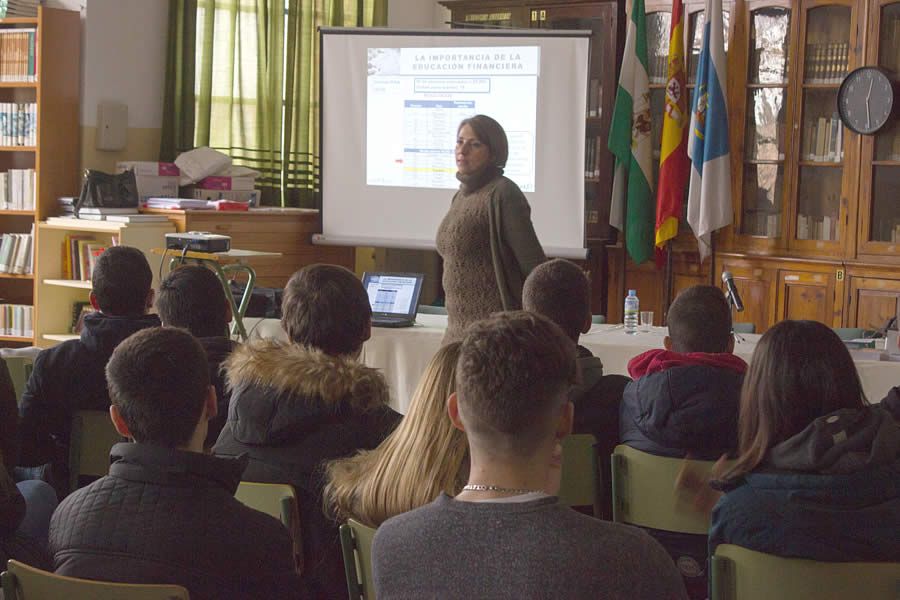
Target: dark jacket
{"x":891,"y":402}
{"x":291,"y":409}
{"x":830,"y":493}
{"x":12,"y":511}
{"x":69,"y":377}
{"x":680,"y":404}
{"x":218,"y":349}
{"x":9,"y":419}
{"x":169,"y":516}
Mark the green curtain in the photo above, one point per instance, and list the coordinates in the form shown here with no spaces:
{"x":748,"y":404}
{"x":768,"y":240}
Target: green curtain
{"x":242,"y":77}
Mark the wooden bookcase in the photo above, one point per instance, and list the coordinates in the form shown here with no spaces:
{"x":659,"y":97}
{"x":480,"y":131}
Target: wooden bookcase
{"x":55,"y":156}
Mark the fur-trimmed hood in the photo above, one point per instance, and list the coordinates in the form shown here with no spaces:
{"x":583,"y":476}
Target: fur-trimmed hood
{"x":278,"y":388}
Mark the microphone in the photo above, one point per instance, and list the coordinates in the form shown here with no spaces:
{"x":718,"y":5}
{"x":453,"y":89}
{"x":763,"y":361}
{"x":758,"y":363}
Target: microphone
{"x":728,"y":280}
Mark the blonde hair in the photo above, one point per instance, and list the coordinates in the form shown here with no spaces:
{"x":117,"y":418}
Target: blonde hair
{"x":424,"y":456}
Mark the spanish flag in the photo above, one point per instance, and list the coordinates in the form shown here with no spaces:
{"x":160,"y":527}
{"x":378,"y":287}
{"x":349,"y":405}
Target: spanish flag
{"x":673,"y":160}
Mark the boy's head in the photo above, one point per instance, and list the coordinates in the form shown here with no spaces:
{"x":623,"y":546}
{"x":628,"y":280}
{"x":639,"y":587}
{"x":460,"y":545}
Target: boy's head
{"x":159,"y":386}
{"x":326,"y":307}
{"x":699,"y":320}
{"x":559,"y":290}
{"x":192,"y":297}
{"x":512,"y":383}
{"x":120,"y":284}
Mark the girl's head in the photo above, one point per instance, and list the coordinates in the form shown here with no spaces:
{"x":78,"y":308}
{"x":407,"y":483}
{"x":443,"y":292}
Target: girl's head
{"x":800,"y":371}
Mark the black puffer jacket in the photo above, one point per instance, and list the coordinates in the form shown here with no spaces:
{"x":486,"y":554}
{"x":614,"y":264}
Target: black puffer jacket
{"x":292,"y":409}
{"x":168,"y":516}
{"x":217,"y":351}
{"x":69,"y":377}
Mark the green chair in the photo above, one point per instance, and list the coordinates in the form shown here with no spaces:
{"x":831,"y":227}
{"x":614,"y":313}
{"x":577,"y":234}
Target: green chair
{"x":278,"y":500}
{"x":580,"y":476}
{"x":19,"y":371}
{"x":427,"y":309}
{"x":743,"y":327}
{"x":645,"y":491}
{"x":742,"y":574}
{"x":356,"y":545}
{"x":93,"y":435}
{"x":599,"y":319}
{"x":21,"y":582}
{"x":849,"y":333}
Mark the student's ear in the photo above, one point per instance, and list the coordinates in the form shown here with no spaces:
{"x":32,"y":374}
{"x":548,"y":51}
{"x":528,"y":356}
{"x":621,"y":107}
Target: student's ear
{"x":731,"y":344}
{"x":588,"y":322}
{"x":368,"y":333}
{"x":118,"y":422}
{"x":667,"y":343}
{"x":94,"y":302}
{"x":211,"y":405}
{"x":453,"y":412}
{"x":566,"y":418}
{"x":148,"y":303}
{"x":229,"y":314}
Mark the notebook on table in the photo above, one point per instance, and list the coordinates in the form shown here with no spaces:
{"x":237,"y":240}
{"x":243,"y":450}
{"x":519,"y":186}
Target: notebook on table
{"x":394,"y":297}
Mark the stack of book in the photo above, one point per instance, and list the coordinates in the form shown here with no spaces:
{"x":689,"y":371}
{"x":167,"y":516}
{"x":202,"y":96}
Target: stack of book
{"x":18,"y":124}
{"x":67,"y":207}
{"x":17,"y":253}
{"x":18,"y":8}
{"x":17,"y":320}
{"x":18,"y":188}
{"x":823,"y":139}
{"x":594,"y":148}
{"x":80,"y":253}
{"x":826,"y":63}
{"x":18,"y":55}
{"x":815,"y":227}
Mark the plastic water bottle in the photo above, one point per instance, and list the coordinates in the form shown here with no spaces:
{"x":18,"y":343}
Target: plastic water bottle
{"x":632,"y":310}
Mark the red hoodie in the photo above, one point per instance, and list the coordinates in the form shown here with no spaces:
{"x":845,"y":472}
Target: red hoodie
{"x":653,"y":361}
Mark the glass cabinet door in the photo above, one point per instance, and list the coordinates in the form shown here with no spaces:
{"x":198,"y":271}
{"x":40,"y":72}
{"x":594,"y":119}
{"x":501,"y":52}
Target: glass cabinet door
{"x":880,"y":187}
{"x":765,"y":126}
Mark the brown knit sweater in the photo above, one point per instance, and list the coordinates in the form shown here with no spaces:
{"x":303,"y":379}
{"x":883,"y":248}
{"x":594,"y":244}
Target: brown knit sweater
{"x":489,"y":246}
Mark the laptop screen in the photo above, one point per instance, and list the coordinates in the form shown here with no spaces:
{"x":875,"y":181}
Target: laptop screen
{"x":393,"y":293}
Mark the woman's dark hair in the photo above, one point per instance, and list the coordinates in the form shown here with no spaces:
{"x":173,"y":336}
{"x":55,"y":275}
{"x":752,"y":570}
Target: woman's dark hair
{"x":800,"y":371}
{"x":490,"y":133}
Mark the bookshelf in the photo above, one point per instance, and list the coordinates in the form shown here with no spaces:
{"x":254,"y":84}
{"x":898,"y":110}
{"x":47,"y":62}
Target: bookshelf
{"x":54,"y":156}
{"x":55,"y":296}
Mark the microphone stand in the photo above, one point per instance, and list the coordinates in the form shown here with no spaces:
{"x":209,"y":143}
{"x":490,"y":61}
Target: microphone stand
{"x":736,"y":335}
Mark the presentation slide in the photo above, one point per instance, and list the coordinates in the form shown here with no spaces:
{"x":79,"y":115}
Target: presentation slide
{"x":416,"y":97}
{"x":391,"y":294}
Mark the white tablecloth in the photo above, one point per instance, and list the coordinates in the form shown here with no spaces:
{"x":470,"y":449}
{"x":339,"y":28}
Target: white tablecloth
{"x":402,"y":354}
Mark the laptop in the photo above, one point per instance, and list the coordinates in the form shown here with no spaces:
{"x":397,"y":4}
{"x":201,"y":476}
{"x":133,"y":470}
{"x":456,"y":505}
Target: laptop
{"x":394,"y":297}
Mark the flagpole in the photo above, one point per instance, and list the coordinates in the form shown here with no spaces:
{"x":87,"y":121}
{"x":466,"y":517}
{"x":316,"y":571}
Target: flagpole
{"x":667,"y":296}
{"x":712,"y":258}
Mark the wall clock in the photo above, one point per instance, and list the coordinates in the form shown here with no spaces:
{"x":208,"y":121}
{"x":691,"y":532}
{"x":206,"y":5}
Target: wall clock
{"x":868,"y":99}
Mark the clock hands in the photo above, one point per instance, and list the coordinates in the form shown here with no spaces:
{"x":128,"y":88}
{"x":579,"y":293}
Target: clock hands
{"x":868,"y":96}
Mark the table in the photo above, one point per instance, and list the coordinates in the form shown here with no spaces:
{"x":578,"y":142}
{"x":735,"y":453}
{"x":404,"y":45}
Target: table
{"x":402,"y":354}
{"x":214,"y":260}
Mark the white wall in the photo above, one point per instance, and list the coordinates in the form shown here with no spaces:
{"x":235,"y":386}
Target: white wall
{"x":417,"y":14}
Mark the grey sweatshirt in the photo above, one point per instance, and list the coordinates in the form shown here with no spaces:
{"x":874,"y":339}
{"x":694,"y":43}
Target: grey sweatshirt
{"x":537,"y":549}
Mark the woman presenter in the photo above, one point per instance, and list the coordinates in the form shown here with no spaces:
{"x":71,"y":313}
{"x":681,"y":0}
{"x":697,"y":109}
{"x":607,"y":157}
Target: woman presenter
{"x":486,"y":239}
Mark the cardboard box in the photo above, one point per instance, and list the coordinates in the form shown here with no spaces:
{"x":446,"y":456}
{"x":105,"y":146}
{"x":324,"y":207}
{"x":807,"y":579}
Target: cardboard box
{"x":251,"y":196}
{"x":218,"y":182}
{"x":143,"y":168}
{"x":150,"y":186}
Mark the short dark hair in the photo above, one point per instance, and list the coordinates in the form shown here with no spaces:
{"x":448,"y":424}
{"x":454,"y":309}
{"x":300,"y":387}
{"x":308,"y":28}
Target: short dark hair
{"x":158,"y":379}
{"x":490,"y":133}
{"x":192,"y":297}
{"x":559,"y":290}
{"x":514,"y":372}
{"x":699,"y":320}
{"x":327,"y":308}
{"x":121,"y":281}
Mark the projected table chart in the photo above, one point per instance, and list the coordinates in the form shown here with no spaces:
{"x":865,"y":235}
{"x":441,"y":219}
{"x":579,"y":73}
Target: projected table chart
{"x":403,"y":354}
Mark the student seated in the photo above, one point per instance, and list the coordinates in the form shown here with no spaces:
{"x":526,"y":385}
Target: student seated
{"x":25,"y":510}
{"x":424,"y":456}
{"x":69,"y":376}
{"x":818,"y":470}
{"x":166,"y":513}
{"x":296,"y":405}
{"x":505,"y":535}
{"x":192,"y":297}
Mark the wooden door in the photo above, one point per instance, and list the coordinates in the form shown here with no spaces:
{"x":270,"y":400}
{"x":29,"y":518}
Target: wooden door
{"x":757,"y":286}
{"x":807,"y":295}
{"x":872,"y":301}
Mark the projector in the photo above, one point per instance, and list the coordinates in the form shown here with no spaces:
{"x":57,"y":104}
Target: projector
{"x":198,"y":241}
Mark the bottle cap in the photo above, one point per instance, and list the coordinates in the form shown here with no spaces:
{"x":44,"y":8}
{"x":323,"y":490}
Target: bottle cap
{"x":632,"y":292}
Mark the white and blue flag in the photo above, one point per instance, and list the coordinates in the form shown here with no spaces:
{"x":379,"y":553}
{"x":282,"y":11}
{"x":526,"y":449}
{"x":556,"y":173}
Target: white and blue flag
{"x":709,"y":198}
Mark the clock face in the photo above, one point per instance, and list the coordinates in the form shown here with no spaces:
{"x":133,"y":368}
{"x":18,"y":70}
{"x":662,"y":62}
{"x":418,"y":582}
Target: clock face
{"x":866,"y":100}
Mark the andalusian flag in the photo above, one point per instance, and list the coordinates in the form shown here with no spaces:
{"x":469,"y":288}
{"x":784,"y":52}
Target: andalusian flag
{"x":673,"y":160}
{"x":632,"y":208}
{"x":709,"y":198}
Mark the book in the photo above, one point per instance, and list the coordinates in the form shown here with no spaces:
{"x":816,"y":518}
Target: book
{"x":137,"y":218}
{"x":593,"y":97}
{"x":90,"y":210}
{"x":22,"y":252}
{"x":820,"y":139}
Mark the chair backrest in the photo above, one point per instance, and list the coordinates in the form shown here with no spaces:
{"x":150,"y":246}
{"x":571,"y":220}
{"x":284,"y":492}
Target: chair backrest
{"x":427,"y":309}
{"x":21,"y":582}
{"x":19,"y":371}
{"x":849,"y":333}
{"x":356,"y":545}
{"x":599,"y":319}
{"x":93,"y":435}
{"x":644,"y":491}
{"x":580,"y":475}
{"x":743,"y":327}
{"x":742,"y":574}
{"x":276,"y":499}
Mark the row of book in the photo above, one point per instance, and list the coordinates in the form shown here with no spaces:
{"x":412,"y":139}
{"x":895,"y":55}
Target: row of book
{"x":18,"y":189}
{"x":18,"y":124}
{"x":762,"y":224}
{"x":595,"y":99}
{"x":826,"y":63}
{"x":80,"y":254}
{"x":18,"y":8}
{"x":890,"y":42}
{"x":817,"y":227}
{"x":18,"y":55}
{"x":17,"y":253}
{"x":17,"y":320}
{"x":593,"y":149}
{"x":823,"y":139}
{"x":891,"y":149}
